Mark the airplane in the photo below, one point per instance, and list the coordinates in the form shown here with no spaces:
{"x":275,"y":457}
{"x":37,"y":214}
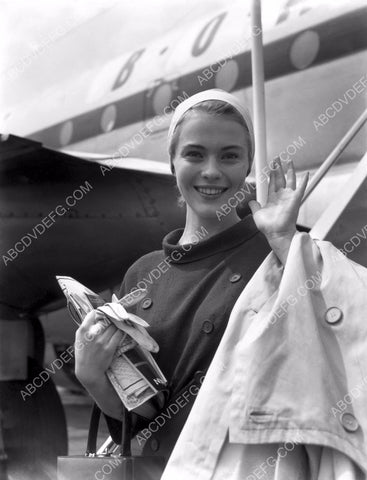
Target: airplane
{"x":86,"y":185}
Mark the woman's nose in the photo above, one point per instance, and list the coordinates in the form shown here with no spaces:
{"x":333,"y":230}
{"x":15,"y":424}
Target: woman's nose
{"x":210,"y":169}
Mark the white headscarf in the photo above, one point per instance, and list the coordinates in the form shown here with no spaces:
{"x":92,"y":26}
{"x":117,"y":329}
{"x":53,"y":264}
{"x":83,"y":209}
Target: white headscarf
{"x":212,"y":94}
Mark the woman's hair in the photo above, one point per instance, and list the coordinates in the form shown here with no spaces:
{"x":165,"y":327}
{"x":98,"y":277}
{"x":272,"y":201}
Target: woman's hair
{"x":216,"y":108}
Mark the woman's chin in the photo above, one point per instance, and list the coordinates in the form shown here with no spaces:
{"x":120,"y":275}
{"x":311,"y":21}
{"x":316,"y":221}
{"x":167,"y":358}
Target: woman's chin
{"x":211,"y":209}
{"x":208,"y":212}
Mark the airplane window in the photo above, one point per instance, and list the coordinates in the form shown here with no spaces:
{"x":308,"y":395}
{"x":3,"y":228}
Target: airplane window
{"x":227,"y":76}
{"x":161,"y":98}
{"x":108,"y":118}
{"x":66,"y":133}
{"x":305,"y":49}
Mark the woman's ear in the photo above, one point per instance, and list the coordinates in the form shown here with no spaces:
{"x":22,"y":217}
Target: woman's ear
{"x":181,"y":201}
{"x":171,"y":165}
{"x":249,"y":169}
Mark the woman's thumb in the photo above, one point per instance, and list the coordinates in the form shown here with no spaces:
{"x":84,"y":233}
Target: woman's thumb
{"x":254,"y":206}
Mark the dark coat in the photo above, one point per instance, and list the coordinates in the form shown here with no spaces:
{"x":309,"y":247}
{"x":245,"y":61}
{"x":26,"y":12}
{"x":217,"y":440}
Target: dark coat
{"x":191,"y":291}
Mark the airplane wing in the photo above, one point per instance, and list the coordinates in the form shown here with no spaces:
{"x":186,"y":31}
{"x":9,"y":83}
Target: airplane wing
{"x":63,"y":214}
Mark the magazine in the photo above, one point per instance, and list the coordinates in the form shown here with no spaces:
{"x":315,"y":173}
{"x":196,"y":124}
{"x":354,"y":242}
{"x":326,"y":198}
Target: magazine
{"x":133,"y":372}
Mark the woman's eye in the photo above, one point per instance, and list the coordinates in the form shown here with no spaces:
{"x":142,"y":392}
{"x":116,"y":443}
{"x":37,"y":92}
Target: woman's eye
{"x":193,"y":154}
{"x":230,"y":156}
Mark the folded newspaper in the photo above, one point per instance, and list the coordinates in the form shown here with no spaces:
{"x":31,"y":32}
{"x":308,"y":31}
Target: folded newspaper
{"x":133,"y":373}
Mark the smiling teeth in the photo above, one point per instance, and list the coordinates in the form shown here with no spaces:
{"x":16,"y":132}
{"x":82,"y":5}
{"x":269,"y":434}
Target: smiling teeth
{"x":210,"y":191}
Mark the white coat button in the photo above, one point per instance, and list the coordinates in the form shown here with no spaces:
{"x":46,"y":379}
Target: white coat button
{"x":349,"y":422}
{"x":333,"y":315}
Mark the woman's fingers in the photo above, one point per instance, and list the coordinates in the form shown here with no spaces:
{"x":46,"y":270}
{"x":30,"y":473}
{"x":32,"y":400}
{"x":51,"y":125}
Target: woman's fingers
{"x":91,"y":318}
{"x":278,"y":179}
{"x":276,"y":176}
{"x":94,"y":325}
{"x":272,"y":182}
{"x":291,"y":176}
{"x":279,"y":175}
{"x":106,"y":334}
{"x":254,"y":206}
{"x":272,"y":186}
{"x":115,"y":340}
{"x":99,"y":327}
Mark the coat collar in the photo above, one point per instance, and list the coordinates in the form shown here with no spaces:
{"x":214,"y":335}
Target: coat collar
{"x":190,"y":252}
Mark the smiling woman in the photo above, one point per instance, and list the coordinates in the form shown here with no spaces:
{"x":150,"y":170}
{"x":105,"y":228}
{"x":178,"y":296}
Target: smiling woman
{"x":211,"y":146}
{"x":211,"y":151}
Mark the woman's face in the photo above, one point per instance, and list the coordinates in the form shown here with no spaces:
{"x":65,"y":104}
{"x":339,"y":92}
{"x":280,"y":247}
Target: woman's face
{"x":211,"y":161}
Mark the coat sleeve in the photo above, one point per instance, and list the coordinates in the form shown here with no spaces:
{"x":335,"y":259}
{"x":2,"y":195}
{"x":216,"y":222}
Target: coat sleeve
{"x":114,"y":425}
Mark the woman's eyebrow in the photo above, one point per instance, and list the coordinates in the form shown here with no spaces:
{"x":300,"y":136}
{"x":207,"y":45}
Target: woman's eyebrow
{"x":201,"y":147}
{"x":192,"y":145}
{"x":230,"y":147}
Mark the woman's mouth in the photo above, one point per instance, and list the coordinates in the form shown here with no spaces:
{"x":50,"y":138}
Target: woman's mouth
{"x":211,"y":192}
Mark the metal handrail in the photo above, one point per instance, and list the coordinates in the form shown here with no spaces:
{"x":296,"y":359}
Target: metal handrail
{"x":333,"y":156}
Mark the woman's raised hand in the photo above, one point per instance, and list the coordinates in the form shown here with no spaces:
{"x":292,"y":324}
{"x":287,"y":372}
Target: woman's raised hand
{"x":277,"y":218}
{"x":96,"y":341}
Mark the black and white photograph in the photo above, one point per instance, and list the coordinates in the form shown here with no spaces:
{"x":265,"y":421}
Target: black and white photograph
{"x":183,"y":211}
